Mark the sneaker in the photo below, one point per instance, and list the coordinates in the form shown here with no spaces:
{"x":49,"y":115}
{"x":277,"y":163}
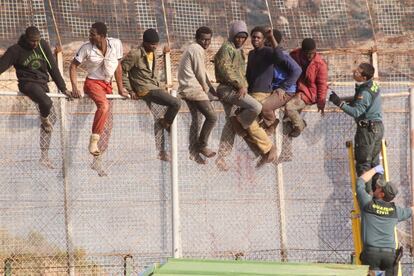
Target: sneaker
{"x":295,"y":132}
{"x":207,"y":152}
{"x":287,"y":127}
{"x":46,"y":124}
{"x":221,"y":164}
{"x":237,"y":127}
{"x":164,"y":124}
{"x":197,"y":158}
{"x":164,"y":156}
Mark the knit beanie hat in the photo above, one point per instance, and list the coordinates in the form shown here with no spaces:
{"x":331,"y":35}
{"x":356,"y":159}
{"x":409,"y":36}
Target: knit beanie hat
{"x":151,"y":36}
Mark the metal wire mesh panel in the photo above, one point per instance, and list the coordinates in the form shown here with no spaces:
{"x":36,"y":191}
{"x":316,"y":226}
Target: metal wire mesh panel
{"x":16,"y":15}
{"x":32,"y":220}
{"x":129,"y":207}
{"x":112,"y":215}
{"x":227,"y":214}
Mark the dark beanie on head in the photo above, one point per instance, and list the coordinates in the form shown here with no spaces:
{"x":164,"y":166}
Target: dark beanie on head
{"x":308,"y":44}
{"x":151,"y":36}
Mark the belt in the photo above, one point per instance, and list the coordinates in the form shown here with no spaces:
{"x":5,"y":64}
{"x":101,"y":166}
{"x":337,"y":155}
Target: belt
{"x":379,"y":249}
{"x":367,"y":123}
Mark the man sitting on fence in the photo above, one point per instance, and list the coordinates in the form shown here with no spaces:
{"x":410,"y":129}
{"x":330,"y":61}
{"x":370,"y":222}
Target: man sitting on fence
{"x":139,"y":72}
{"x":101,"y":56}
{"x":260,"y":71}
{"x":311,"y":86}
{"x":285,"y":76}
{"x":33,"y":60}
{"x":230,"y":69}
{"x":194,"y":86}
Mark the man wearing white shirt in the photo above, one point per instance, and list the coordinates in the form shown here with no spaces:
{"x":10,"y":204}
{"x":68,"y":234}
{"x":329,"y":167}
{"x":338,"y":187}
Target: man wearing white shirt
{"x":101,"y":56}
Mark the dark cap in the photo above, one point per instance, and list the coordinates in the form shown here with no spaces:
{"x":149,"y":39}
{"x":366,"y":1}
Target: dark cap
{"x":389,"y":188}
{"x":151,"y":36}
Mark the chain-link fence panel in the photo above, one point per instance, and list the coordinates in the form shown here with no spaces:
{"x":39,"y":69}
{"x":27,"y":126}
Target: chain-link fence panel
{"x":65,"y":210}
{"x":32,"y":220}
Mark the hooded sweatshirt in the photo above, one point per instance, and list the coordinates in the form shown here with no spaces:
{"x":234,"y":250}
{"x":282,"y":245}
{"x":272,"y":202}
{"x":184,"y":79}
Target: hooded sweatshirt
{"x":230,"y":62}
{"x":32,"y":65}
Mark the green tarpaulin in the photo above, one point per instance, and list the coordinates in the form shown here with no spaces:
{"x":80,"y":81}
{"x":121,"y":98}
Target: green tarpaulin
{"x":176,"y":267}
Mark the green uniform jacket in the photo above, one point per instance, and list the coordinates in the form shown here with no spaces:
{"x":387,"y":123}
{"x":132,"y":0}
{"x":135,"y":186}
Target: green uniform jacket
{"x":366,"y":104}
{"x":378,"y":218}
{"x":230,"y":66}
{"x":137,"y":76}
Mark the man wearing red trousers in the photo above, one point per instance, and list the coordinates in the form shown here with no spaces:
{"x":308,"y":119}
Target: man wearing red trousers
{"x":101,"y":56}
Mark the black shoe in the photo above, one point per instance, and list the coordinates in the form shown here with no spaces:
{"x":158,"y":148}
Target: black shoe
{"x":198,"y":159}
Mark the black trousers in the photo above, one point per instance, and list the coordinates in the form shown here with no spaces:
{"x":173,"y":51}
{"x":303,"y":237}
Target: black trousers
{"x":367,"y":148}
{"x":199,"y":139}
{"x":379,"y":260}
{"x":161,"y":97}
{"x":37,"y":93}
{"x":161,"y":105}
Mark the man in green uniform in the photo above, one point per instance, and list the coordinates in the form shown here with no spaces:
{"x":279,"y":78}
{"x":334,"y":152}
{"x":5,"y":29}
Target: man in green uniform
{"x":366,"y":109}
{"x":379,"y":217}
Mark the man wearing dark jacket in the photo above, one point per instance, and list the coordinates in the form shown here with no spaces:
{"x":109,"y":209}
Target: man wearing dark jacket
{"x":33,"y":60}
{"x":260,"y":68}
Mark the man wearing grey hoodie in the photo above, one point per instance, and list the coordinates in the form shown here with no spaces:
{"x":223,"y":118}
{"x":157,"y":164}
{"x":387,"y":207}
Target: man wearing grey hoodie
{"x":230,"y":69}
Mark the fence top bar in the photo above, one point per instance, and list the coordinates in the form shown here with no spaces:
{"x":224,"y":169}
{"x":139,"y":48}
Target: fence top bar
{"x":52,"y":95}
{"x":112,"y":96}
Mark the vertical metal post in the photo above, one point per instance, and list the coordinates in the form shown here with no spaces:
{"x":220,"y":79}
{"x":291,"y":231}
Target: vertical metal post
{"x":66,"y":182}
{"x":411,"y":90}
{"x":176,"y":228}
{"x":281,"y":191}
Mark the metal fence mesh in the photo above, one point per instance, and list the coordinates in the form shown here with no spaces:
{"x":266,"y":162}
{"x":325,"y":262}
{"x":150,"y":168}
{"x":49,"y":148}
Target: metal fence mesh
{"x":296,"y":211}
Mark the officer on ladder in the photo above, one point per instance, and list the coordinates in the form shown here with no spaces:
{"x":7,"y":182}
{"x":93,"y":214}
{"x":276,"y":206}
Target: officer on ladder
{"x":379,"y":217}
{"x":365,"y":108}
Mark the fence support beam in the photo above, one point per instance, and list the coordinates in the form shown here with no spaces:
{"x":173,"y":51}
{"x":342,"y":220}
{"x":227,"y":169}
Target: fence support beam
{"x":411,"y":90}
{"x":66,"y":182}
{"x":281,"y":192}
{"x":176,"y":227}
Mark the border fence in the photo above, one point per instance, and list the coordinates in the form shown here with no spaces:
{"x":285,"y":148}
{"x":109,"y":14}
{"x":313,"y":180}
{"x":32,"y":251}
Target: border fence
{"x":63,"y":217}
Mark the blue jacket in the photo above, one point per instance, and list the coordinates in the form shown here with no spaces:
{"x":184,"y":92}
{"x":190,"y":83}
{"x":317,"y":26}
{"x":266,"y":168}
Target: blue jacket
{"x":281,"y":77}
